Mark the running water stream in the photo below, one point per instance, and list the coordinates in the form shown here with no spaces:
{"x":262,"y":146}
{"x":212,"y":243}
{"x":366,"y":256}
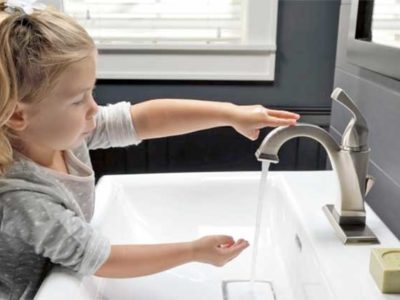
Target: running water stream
{"x":253,"y":289}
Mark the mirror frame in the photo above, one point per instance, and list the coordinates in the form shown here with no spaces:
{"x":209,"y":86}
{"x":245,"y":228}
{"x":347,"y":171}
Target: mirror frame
{"x":372,"y":56}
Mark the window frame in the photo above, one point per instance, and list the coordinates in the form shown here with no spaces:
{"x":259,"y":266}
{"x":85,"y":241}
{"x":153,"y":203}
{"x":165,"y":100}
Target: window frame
{"x":375,"y":57}
{"x":253,"y":60}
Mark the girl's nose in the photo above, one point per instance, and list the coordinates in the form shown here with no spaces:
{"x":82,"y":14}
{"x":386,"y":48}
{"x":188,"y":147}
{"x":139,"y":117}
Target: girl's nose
{"x":93,"y":109}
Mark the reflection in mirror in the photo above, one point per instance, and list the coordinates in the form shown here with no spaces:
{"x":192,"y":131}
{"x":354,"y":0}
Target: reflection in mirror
{"x":378,"y":21}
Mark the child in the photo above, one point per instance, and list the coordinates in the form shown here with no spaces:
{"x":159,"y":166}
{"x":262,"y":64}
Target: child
{"x":49,"y":121}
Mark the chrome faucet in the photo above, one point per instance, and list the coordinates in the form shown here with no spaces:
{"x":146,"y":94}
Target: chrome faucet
{"x":349,"y":160}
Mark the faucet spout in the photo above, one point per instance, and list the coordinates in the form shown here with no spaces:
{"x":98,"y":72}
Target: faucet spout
{"x":350,"y":167}
{"x":273,"y":142}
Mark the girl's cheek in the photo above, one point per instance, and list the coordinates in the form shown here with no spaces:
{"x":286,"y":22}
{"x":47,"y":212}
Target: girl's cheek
{"x":67,"y":125}
{"x":57,"y":127}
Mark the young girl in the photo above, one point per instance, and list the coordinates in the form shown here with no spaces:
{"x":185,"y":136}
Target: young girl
{"x":48,"y":122}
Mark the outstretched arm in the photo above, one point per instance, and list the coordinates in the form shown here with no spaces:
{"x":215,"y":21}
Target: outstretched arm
{"x":168,"y":117}
{"x":127,"y":261}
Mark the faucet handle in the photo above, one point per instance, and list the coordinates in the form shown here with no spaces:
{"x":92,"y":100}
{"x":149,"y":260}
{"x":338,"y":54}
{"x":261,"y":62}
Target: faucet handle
{"x":355,"y":136}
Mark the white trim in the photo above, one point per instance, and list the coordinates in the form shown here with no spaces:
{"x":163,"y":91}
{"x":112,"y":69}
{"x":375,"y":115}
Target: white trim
{"x":253,"y":60}
{"x":204,"y":48}
{"x":187,"y":65}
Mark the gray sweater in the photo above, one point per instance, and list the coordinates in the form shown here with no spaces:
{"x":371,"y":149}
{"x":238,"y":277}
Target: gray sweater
{"x":45,"y":214}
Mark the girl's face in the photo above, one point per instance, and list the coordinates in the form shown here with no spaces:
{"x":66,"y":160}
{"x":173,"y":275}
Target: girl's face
{"x":63,"y":119}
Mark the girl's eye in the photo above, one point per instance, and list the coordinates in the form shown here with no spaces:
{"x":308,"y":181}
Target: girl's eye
{"x":82,"y":100}
{"x":78,"y":102}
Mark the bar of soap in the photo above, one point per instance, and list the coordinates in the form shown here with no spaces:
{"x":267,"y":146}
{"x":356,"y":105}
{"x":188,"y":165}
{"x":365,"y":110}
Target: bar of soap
{"x":385,"y":269}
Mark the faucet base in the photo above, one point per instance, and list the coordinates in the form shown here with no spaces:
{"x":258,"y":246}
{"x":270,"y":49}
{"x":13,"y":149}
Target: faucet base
{"x":356,"y":218}
{"x":350,"y":233}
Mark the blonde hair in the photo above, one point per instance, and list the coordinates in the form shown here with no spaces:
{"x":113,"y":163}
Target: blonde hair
{"x":34,"y":50}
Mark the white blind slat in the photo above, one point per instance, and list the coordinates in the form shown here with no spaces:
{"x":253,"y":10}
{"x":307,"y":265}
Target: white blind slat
{"x":386,"y":22}
{"x":160,"y":21}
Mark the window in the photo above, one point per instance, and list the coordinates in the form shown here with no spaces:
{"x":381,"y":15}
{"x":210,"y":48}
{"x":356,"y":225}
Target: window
{"x":386,"y":23}
{"x":124,"y":22}
{"x":181,"y":39}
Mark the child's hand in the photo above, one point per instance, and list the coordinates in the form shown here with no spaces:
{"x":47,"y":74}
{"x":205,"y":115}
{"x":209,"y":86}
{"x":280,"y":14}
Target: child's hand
{"x":217,"y":249}
{"x":249,"y":119}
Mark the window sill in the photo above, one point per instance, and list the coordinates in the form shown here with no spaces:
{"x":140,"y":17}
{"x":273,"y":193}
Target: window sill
{"x":201,"y":47}
{"x":187,"y":62}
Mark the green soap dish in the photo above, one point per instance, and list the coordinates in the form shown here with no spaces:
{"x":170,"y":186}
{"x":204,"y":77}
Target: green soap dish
{"x":385,"y":269}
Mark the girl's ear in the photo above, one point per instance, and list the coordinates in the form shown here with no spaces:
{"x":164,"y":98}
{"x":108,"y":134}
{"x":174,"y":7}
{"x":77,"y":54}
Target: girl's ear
{"x":18,"y":120}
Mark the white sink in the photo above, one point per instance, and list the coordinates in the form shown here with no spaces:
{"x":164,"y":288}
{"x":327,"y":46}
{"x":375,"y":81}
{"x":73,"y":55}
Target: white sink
{"x":299,"y":251}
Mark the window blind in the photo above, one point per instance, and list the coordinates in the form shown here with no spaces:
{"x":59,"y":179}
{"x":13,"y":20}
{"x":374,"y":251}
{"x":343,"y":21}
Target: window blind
{"x":386,"y":22}
{"x":161,"y":21}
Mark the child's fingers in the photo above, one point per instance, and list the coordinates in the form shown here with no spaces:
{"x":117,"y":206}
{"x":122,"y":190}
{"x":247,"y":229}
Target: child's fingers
{"x":273,"y":121}
{"x":224,"y":239}
{"x":236,"y":248}
{"x":235,"y":252}
{"x":283,"y":114}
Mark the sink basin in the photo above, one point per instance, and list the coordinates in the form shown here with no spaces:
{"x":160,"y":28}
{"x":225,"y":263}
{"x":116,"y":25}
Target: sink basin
{"x":299,"y":253}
